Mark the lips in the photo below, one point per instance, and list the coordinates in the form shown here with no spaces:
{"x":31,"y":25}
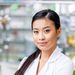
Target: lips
{"x":41,"y":43}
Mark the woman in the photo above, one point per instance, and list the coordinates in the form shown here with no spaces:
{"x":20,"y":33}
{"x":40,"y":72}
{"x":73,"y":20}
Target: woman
{"x":48,"y":59}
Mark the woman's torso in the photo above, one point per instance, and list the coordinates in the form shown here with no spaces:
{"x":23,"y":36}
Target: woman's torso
{"x":55,"y":64}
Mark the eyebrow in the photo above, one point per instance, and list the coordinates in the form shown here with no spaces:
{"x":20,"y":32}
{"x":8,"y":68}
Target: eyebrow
{"x":46,"y":27}
{"x":43,"y":28}
{"x":35,"y":28}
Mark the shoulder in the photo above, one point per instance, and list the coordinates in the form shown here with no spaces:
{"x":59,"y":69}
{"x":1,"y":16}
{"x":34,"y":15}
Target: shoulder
{"x":64,"y":65}
{"x":60,"y":58}
{"x":65,"y":59}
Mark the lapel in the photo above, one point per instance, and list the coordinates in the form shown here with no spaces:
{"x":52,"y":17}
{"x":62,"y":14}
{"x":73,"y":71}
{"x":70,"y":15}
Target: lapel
{"x":49,"y":67}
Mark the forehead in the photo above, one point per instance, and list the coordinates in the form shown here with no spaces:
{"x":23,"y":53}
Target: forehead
{"x":40,"y":23}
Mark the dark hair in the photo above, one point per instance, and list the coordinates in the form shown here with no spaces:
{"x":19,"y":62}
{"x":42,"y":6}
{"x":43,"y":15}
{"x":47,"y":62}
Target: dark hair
{"x":51,"y":15}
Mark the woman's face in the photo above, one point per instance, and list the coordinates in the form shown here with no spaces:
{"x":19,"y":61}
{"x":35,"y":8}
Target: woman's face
{"x":44,"y":34}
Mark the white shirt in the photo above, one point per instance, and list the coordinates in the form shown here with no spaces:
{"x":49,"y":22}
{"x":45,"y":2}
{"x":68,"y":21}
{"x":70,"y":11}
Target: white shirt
{"x":57,"y":64}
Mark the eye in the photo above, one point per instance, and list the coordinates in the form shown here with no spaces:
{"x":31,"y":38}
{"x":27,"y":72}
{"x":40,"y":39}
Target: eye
{"x":36,"y":32}
{"x":47,"y":30}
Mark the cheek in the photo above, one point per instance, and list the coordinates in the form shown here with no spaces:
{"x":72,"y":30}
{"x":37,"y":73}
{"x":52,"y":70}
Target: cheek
{"x":35,"y":38}
{"x":51,"y":37}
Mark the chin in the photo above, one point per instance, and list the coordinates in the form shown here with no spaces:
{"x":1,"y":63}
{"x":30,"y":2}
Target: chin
{"x":42,"y":48}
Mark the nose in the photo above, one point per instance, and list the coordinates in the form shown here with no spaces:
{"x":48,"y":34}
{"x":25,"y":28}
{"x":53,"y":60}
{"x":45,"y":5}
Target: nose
{"x":41,"y":36}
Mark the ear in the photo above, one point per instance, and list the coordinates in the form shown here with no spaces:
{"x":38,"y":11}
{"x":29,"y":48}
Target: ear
{"x":58,"y":32}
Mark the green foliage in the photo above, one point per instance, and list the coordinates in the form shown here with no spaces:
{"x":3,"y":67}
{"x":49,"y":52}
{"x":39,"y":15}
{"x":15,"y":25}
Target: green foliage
{"x":74,"y":73}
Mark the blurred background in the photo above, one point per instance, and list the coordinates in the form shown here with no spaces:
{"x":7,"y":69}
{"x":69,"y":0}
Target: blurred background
{"x":15,"y":30}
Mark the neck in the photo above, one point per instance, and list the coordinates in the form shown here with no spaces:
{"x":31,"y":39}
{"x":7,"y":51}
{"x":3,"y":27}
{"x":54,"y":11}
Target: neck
{"x":46,"y":54}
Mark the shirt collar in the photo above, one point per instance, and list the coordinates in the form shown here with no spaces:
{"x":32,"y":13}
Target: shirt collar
{"x":55,"y":55}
